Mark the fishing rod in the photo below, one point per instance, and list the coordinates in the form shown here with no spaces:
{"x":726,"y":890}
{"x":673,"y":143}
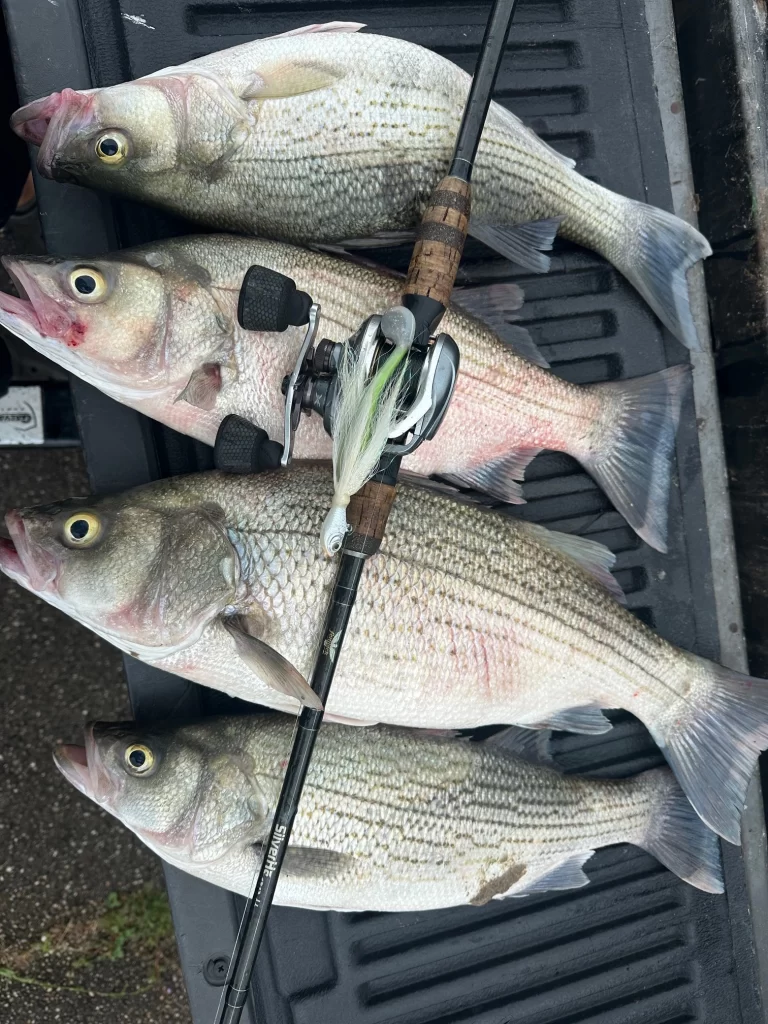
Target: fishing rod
{"x":402,"y":337}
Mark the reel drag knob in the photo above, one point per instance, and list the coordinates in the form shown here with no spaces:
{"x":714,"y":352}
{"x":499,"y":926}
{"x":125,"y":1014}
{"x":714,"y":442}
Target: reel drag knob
{"x":271,"y":302}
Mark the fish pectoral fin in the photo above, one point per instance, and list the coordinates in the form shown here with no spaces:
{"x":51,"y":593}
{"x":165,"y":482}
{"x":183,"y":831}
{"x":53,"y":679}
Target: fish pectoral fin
{"x":312,"y":862}
{"x":270,"y":666}
{"x":203,"y":387}
{"x":498,"y":478}
{"x":587,"y":719}
{"x":290,"y":78}
{"x":590,"y":555}
{"x":523,"y":244}
{"x":565,"y":874}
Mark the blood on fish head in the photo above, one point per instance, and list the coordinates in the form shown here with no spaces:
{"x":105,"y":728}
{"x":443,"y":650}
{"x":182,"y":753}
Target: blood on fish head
{"x":109,"y":138}
{"x":105,"y":319}
{"x":187,"y":790}
{"x":147,"y":578}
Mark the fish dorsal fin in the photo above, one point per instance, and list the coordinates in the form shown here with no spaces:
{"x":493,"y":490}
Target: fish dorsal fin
{"x":327,"y":26}
{"x":269,"y":666}
{"x":290,"y":77}
{"x":593,"y":557}
{"x":493,"y":305}
{"x":566,"y":874}
{"x":498,"y":477}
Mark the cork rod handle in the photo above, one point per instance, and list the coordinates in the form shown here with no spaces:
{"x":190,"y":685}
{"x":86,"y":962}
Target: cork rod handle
{"x":440,"y":242}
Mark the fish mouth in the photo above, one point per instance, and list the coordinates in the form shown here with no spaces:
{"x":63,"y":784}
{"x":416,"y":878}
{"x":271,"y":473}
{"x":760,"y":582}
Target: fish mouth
{"x":17,"y":308}
{"x":24,"y":561}
{"x":34,"y":316}
{"x":82,"y":766}
{"x":48,"y":122}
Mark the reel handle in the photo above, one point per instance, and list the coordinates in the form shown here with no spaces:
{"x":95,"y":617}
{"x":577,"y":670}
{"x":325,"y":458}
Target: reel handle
{"x":271,"y":302}
{"x":242,"y":447}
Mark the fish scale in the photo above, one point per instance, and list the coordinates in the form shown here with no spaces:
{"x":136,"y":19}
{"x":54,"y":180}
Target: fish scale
{"x":421,"y":594}
{"x":465,"y":618}
{"x":285,"y":137}
{"x":389,"y":819}
{"x":165,"y":339}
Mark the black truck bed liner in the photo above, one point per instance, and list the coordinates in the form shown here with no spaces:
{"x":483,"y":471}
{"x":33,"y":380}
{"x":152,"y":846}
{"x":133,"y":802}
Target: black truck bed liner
{"x":636,"y":946}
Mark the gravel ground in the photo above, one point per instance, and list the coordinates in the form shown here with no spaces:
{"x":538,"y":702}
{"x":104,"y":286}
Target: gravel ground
{"x":85,"y":932}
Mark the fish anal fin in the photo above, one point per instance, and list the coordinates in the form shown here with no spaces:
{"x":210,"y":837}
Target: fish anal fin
{"x":499,"y":478}
{"x":523,"y":244}
{"x":565,"y":874}
{"x":532,"y":745}
{"x":360,"y":723}
{"x":587,"y":719}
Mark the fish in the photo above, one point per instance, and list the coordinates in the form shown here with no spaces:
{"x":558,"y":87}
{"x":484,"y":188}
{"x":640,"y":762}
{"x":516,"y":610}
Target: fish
{"x":466,"y":617}
{"x":326,"y":134}
{"x":389,"y":819}
{"x":156,"y":328}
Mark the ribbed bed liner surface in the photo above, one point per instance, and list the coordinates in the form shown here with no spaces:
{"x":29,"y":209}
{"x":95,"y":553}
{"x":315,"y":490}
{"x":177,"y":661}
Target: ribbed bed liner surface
{"x":636,"y":946}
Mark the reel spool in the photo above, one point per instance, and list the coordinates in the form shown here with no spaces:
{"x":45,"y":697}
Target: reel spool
{"x":271,"y":302}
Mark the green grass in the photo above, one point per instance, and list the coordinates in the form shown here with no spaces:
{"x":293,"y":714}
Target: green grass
{"x":133,"y":924}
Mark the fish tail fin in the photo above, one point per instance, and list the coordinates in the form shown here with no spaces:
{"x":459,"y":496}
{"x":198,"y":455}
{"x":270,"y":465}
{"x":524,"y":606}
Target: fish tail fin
{"x":658,"y":251}
{"x":631,"y":450}
{"x":712,"y":743}
{"x":675,"y":835}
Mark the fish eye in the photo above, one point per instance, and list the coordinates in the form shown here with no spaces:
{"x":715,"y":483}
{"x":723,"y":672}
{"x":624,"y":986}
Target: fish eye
{"x":87,"y":284}
{"x":112,"y":148}
{"x":81,"y":530}
{"x":139,"y":759}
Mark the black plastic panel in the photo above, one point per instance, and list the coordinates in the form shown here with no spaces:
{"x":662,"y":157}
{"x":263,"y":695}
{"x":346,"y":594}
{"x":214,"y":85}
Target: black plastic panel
{"x":637,"y":946}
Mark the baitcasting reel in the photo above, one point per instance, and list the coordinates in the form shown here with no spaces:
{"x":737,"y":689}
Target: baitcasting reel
{"x":269,"y":301}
